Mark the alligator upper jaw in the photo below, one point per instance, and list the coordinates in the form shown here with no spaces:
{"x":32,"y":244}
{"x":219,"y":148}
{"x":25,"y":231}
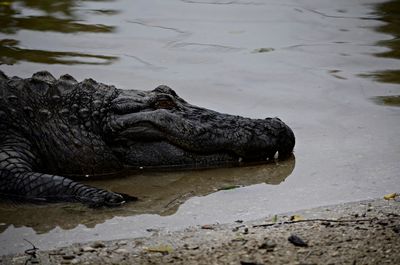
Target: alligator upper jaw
{"x":145,"y":146}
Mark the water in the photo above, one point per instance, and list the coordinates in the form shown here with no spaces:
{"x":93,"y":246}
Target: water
{"x":320,"y":66}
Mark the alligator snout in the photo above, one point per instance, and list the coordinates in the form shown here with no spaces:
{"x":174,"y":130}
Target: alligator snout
{"x":286,"y":139}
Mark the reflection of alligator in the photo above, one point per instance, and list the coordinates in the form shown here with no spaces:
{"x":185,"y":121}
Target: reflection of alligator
{"x":63,"y":127}
{"x":160,"y":192}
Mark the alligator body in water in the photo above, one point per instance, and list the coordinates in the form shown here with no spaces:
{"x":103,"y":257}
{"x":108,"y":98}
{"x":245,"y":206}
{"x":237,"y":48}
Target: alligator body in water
{"x":52,"y":129}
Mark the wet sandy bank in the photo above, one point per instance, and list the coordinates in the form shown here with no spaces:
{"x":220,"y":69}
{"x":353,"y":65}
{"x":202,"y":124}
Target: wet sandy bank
{"x":364,"y":232}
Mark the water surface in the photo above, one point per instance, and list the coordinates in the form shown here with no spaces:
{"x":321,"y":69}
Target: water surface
{"x":321,"y":66}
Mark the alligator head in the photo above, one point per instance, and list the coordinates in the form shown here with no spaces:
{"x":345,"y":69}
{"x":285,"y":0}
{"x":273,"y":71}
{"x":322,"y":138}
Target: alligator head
{"x":158,"y":128}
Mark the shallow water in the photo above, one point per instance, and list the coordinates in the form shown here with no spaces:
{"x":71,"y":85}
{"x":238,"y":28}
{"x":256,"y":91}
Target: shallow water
{"x":321,"y":66}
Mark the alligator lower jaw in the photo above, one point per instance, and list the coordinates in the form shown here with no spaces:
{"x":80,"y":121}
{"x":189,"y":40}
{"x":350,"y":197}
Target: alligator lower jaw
{"x":164,"y":155}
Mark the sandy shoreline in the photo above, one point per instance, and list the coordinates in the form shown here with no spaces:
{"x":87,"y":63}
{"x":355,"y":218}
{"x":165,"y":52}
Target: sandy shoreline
{"x":365,"y":232}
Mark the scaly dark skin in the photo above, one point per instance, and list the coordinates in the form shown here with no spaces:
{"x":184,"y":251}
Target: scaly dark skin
{"x":51,"y":128}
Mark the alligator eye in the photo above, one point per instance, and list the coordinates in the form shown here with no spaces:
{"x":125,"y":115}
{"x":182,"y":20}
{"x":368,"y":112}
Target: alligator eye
{"x":164,"y":103}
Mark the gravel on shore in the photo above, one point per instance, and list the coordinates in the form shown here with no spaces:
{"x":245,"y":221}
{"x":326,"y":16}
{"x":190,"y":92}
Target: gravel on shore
{"x":365,"y":232}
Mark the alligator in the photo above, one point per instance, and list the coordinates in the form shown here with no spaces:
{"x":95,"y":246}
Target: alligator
{"x":52,"y":130}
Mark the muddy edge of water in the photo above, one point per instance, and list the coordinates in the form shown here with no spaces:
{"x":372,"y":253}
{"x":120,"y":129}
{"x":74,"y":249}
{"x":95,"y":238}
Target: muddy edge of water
{"x":350,"y":233}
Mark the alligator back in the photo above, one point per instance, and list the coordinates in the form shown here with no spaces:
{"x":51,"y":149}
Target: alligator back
{"x":62,"y":121}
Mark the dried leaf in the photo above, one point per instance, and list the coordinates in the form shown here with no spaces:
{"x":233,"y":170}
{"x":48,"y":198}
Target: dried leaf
{"x":296,"y":218}
{"x":209,"y":227}
{"x":163,"y":249}
{"x":390,"y":196}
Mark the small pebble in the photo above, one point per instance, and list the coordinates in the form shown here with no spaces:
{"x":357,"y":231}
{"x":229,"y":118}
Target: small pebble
{"x":335,"y":254}
{"x":382,"y":222}
{"x":97,"y":244}
{"x":248,"y":261}
{"x":209,"y":227}
{"x":68,"y":257}
{"x":76,"y":250}
{"x":121,"y":251}
{"x":88,"y":249}
{"x":297,"y":241}
{"x":190,"y":247}
{"x":268,"y":245}
{"x":75,"y":261}
{"x":122,"y":243}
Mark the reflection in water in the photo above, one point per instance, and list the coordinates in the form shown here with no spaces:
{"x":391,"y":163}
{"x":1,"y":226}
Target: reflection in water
{"x":160,"y":193}
{"x":393,"y":101}
{"x":390,"y":14}
{"x":386,"y":76}
{"x":10,"y":54}
{"x":59,"y":16}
